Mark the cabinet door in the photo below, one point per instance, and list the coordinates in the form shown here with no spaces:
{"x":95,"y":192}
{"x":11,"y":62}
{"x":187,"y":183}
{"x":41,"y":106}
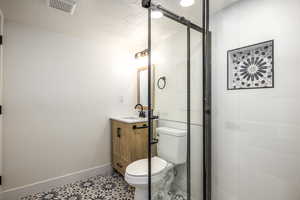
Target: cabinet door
{"x":125,"y":146}
{"x":128,"y":144}
{"x":116,"y":131}
{"x":140,"y":142}
{"x":121,"y":146}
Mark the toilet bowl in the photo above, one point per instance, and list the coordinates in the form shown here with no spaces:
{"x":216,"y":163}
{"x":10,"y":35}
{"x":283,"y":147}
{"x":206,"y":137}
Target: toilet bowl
{"x":137,"y":176}
{"x":171,"y":152}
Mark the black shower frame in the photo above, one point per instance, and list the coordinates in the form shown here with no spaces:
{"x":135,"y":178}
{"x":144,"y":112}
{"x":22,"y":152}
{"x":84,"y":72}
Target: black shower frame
{"x":207,"y":135}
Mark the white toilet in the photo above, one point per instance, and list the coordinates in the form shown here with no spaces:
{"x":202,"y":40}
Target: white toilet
{"x":171,"y":152}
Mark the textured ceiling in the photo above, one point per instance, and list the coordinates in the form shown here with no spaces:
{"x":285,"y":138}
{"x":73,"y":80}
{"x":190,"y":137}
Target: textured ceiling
{"x":124,"y":19}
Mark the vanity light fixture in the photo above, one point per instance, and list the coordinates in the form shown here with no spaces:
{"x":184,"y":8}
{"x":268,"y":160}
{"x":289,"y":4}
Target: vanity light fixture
{"x":186,"y":3}
{"x":141,"y":54}
{"x":141,"y":58}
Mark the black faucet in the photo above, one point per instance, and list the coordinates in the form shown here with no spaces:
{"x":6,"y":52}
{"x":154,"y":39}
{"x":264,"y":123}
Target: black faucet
{"x":142,"y":113}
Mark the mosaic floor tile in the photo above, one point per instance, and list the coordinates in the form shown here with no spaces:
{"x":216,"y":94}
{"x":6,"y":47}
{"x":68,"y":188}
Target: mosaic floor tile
{"x":95,"y":188}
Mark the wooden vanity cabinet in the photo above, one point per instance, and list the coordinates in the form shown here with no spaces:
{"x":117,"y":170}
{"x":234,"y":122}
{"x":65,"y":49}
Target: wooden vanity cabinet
{"x":128,"y":144}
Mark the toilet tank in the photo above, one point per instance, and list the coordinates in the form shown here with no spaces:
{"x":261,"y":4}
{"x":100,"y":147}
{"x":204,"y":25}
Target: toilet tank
{"x":172,"y":144}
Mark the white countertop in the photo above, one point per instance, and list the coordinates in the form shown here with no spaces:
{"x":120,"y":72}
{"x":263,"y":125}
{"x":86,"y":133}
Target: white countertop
{"x":130,"y":119}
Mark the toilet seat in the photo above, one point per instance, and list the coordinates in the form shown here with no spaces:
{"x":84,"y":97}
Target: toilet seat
{"x":137,"y":172}
{"x":140,"y":167}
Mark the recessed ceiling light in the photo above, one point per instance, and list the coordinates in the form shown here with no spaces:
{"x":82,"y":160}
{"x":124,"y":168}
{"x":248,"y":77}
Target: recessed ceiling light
{"x":187,"y":3}
{"x":156,"y":14}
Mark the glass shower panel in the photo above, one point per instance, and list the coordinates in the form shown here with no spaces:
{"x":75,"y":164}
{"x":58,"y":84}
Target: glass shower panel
{"x":176,"y":54}
{"x":196,"y":94}
{"x":169,"y":55}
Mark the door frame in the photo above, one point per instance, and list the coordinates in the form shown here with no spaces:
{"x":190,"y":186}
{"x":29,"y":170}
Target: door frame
{"x":1,"y":96}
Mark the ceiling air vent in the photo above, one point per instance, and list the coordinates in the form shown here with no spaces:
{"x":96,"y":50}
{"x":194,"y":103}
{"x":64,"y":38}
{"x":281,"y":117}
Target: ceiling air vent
{"x":63,"y":5}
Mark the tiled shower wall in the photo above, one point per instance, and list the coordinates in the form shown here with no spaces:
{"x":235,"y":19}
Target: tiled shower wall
{"x":256,"y":133}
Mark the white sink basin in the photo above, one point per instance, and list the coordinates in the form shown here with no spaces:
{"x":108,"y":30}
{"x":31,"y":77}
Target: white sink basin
{"x":130,"y":119}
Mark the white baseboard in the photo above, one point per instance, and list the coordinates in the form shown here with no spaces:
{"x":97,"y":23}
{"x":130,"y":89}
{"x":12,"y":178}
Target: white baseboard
{"x":46,"y":185}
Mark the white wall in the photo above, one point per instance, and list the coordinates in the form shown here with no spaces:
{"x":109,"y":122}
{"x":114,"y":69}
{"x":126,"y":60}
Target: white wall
{"x":170,"y":58}
{"x":59,"y":93}
{"x":256,"y":132}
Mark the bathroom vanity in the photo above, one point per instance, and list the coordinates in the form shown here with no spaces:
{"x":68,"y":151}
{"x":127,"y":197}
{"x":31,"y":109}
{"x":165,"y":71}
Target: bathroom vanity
{"x":129,"y":141}
{"x":129,"y":135}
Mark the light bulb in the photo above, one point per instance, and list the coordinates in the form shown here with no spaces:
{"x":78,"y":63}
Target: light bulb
{"x":156,"y":14}
{"x":187,"y":3}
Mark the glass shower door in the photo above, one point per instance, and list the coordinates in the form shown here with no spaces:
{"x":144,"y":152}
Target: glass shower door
{"x":176,"y":141}
{"x":169,"y":55}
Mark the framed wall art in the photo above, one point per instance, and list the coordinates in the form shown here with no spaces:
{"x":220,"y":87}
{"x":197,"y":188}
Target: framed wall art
{"x":251,"y":67}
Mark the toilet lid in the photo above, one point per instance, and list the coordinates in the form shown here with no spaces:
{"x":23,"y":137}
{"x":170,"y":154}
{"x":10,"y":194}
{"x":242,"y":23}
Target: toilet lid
{"x":140,"y":167}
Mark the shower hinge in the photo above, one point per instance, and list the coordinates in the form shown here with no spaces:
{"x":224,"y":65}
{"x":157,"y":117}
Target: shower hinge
{"x":0,"y":109}
{"x":1,"y":39}
{"x":0,"y":180}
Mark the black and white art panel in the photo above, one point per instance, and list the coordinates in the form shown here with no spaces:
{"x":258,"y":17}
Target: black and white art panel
{"x":251,"y":67}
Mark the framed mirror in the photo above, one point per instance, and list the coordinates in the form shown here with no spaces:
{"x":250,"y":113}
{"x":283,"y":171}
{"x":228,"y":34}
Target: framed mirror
{"x":142,"y":86}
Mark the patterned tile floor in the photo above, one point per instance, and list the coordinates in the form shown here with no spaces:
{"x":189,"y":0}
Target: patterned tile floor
{"x":96,"y":188}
